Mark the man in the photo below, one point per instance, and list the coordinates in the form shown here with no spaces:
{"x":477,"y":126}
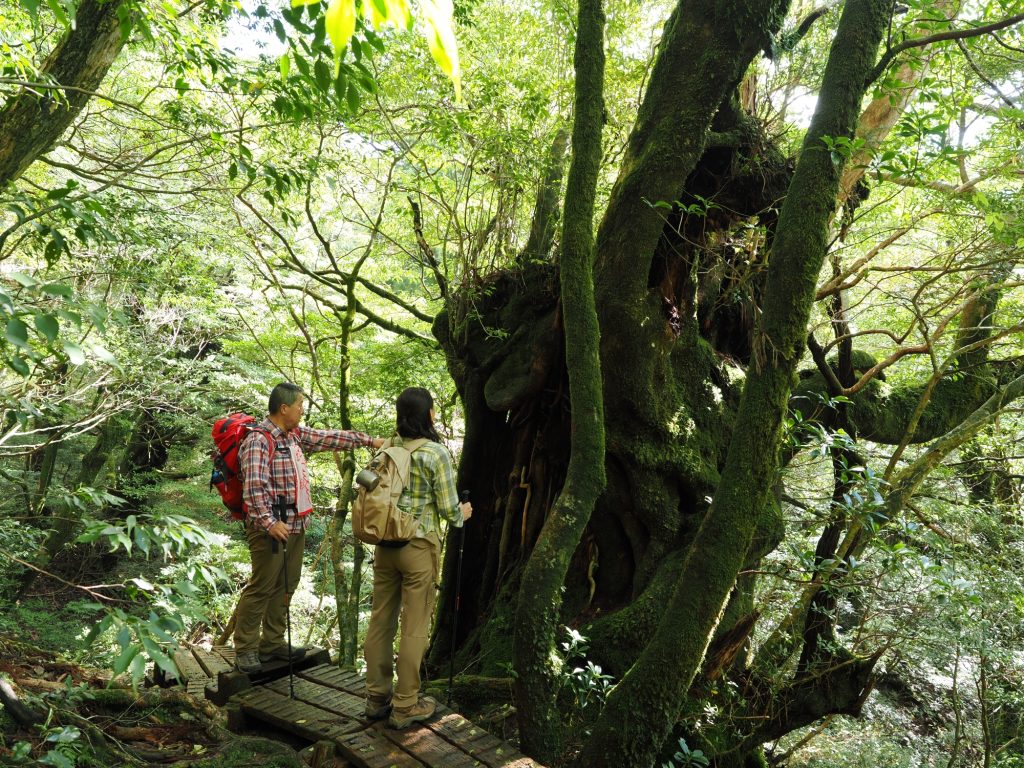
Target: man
{"x":278,"y":503}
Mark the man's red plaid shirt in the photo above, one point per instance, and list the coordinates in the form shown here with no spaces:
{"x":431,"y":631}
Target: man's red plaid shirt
{"x":265,"y":481}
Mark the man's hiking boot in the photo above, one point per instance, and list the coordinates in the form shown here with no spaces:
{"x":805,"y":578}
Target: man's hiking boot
{"x":403,"y":717}
{"x":248,"y":662}
{"x":297,"y":654}
{"x":377,"y":707}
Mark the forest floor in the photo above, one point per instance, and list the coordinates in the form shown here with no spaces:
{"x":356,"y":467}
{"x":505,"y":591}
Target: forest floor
{"x":63,"y":714}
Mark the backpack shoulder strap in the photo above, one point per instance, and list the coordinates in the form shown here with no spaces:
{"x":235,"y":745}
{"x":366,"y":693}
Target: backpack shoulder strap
{"x":255,"y":428}
{"x":401,"y":455}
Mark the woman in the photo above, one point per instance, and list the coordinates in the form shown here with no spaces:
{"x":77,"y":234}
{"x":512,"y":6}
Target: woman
{"x":405,"y":573}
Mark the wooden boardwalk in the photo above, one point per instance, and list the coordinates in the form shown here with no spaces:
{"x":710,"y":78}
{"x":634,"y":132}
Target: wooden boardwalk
{"x":328,"y":706}
{"x":199,"y":667}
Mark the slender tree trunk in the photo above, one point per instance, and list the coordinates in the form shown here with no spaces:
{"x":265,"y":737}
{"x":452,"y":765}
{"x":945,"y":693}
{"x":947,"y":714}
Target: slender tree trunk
{"x":63,"y":529}
{"x":537,"y":611}
{"x":641,"y":710}
{"x":346,"y":593}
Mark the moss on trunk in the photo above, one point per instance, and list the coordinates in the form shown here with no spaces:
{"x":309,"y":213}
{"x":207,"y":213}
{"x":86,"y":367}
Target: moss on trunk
{"x":641,"y":709}
{"x":537,"y":610}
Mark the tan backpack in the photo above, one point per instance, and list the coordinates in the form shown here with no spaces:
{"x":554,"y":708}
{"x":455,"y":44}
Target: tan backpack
{"x":375,"y":513}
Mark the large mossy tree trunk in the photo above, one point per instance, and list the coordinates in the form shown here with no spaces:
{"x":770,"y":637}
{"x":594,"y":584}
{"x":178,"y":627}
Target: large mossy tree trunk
{"x":641,"y":710}
{"x":652,"y":581}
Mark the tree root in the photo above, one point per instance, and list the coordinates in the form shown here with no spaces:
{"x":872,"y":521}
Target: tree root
{"x":22,"y":713}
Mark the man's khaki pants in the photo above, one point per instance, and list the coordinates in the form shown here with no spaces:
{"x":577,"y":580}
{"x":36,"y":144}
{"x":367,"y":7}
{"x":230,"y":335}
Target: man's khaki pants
{"x":263,"y":602}
{"x":404,"y":580}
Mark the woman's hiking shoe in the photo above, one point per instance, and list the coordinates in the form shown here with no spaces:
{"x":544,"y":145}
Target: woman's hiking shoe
{"x":403,"y":717}
{"x":297,"y":654}
{"x":248,"y":662}
{"x":377,"y":707}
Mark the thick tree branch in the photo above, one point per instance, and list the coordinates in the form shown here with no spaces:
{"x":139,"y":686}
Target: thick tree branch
{"x":30,"y":123}
{"x":953,"y":34}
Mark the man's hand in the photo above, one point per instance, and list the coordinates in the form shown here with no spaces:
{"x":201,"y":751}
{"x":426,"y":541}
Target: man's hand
{"x":279,"y":531}
{"x":377,"y":443}
{"x":467,"y":510}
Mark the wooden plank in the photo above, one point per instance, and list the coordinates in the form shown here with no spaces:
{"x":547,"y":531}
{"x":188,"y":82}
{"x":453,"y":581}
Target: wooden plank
{"x":291,"y":715}
{"x":475,"y":741}
{"x":197,"y":687}
{"x":505,"y":756}
{"x":370,"y":749}
{"x":429,"y":748}
{"x":347,"y":708}
{"x":187,"y":666}
{"x":342,"y":679}
{"x":211,"y":662}
{"x":226,"y":652}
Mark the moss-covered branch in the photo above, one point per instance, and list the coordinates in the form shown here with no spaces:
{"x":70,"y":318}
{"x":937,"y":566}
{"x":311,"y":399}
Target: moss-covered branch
{"x":537,"y":609}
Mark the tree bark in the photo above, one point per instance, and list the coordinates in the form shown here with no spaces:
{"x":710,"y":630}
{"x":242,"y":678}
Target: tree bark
{"x":537,"y":611}
{"x":640,"y":711}
{"x":30,"y":123}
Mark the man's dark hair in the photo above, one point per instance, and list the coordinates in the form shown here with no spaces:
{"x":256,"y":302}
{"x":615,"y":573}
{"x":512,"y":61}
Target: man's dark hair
{"x":413,"y":407}
{"x":284,"y":393}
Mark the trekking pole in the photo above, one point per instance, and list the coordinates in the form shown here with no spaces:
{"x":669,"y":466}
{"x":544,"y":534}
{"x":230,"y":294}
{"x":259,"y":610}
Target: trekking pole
{"x":282,"y":513}
{"x":463,"y":498}
{"x":288,"y":609}
{"x":288,"y":618}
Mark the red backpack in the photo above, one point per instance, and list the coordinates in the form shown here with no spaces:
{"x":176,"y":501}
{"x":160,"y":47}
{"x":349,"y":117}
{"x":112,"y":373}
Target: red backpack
{"x":228,"y":434}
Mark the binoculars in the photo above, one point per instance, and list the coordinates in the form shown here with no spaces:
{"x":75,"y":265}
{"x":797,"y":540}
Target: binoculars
{"x":368,"y":479}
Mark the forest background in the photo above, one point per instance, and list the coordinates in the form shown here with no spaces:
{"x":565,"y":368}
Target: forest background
{"x":721,"y":302}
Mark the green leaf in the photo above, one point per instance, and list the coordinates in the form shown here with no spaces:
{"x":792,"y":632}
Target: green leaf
{"x":74,"y":352}
{"x":125,"y":658}
{"x":18,"y":364}
{"x":57,"y":760}
{"x":103,"y":354}
{"x":284,"y":64}
{"x":97,"y":628}
{"x":65,"y":735}
{"x":279,"y":30}
{"x":138,"y":668}
{"x":17,"y":333}
{"x":340,"y":83}
{"x":341,"y":25}
{"x":441,"y":40}
{"x":158,"y":656}
{"x":143,"y":584}
{"x":23,"y":748}
{"x":59,"y":12}
{"x":322,"y":74}
{"x":352,"y":96}
{"x":57,"y":289}
{"x":25,"y":280}
{"x":55,"y":247}
{"x":47,"y":325}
